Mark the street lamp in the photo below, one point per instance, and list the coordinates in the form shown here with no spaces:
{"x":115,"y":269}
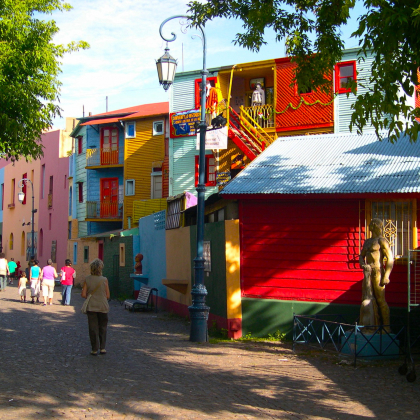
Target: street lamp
{"x":166,"y":66}
{"x":21,"y":197}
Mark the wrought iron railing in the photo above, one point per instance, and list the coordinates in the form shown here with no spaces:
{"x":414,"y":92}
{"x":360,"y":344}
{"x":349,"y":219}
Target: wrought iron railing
{"x":332,"y":332}
{"x":105,"y":209}
{"x":263,"y":115}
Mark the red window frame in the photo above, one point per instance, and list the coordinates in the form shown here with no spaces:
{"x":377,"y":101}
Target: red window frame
{"x":338,"y":88}
{"x":197,"y":89}
{"x":296,"y":91}
{"x":80,"y":192}
{"x":208,"y":180}
{"x":79,"y":145}
{"x":24,"y":189}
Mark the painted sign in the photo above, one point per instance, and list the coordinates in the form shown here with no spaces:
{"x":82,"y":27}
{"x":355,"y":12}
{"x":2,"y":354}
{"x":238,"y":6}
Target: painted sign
{"x":215,"y":139}
{"x":182,"y":123}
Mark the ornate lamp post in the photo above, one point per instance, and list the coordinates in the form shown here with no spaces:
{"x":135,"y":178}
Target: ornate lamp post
{"x":166,"y":66}
{"x":21,"y":197}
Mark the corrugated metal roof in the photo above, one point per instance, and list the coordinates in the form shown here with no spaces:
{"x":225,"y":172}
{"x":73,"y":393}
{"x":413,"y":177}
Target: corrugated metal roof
{"x":331,"y":163}
{"x":101,"y":121}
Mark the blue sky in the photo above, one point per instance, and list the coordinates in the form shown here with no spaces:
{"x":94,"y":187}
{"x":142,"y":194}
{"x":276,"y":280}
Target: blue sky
{"x":125,"y":41}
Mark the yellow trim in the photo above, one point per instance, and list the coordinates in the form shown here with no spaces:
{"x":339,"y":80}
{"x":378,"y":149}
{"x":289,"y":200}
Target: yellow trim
{"x":233,"y":280}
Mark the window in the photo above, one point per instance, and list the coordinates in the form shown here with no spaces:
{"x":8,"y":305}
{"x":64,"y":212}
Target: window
{"x":79,"y":145}
{"x":130,"y":186}
{"x":43,"y":181}
{"x":130,"y":130}
{"x":122,"y":255}
{"x":54,"y":251}
{"x":12,"y":198}
{"x":41,"y":243}
{"x":210,"y":171}
{"x":344,"y":72}
{"x":86,"y":254}
{"x":80,"y":184}
{"x":65,"y":181}
{"x":398,"y":224}
{"x":70,"y":200}
{"x":109,"y":146}
{"x":11,"y":242}
{"x":22,"y":244}
{"x":49,"y":221}
{"x":24,"y":189}
{"x":157,"y":128}
{"x":2,"y":196}
{"x":197,"y":92}
{"x":69,"y":231}
{"x":75,"y":253}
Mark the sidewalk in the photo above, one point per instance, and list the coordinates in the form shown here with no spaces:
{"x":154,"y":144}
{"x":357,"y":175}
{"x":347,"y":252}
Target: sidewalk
{"x":152,"y":371}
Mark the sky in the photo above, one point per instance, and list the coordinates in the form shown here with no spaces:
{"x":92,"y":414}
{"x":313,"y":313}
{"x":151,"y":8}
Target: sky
{"x":124,"y":44}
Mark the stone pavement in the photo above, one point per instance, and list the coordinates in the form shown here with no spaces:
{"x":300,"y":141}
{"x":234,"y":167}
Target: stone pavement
{"x":152,"y":371}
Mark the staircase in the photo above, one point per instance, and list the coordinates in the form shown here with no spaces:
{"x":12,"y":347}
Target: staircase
{"x":246,"y":133}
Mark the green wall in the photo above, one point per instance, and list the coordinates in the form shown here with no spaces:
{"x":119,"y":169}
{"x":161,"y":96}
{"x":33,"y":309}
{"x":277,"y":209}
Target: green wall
{"x":215,"y":282}
{"x":265,"y":316}
{"x":120,"y":283}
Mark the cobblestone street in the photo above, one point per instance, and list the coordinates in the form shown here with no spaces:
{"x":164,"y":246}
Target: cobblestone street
{"x":152,"y":371}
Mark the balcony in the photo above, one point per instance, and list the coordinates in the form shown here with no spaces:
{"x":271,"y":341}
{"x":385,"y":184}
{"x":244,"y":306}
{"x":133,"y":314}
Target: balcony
{"x":105,"y":210}
{"x":50,"y":201}
{"x":263,"y":115}
{"x":102,"y":157}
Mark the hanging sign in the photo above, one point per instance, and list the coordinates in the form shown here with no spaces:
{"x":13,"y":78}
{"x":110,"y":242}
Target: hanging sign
{"x":182,"y":123}
{"x":215,"y":139}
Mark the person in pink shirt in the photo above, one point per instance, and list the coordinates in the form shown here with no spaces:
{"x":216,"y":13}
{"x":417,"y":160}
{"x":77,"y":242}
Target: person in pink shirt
{"x":68,"y":275}
{"x":48,"y":275}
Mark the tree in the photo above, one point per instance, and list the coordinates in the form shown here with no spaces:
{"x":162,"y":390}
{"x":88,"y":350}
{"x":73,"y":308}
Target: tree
{"x":29,"y":69}
{"x":311,"y":28}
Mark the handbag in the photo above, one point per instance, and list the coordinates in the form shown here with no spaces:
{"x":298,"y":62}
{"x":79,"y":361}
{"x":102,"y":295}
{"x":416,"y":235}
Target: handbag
{"x":86,"y":302}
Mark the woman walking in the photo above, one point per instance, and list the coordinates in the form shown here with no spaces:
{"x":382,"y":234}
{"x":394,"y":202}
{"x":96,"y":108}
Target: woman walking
{"x":4,"y":272}
{"x":97,"y":311}
{"x":68,"y":274}
{"x":48,"y":275}
{"x":35,"y":280}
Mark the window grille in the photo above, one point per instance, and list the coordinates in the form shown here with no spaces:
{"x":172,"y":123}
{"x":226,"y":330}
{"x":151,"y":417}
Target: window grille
{"x":397,"y":221}
{"x":159,"y":220}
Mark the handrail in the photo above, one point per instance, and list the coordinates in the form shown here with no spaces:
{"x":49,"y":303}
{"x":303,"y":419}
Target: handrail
{"x":261,"y":131}
{"x":252,"y":133}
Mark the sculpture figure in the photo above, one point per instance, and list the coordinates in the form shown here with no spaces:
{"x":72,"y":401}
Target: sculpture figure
{"x":377,"y":261}
{"x":138,"y":267}
{"x":258,"y":96}
{"x":211,"y":102}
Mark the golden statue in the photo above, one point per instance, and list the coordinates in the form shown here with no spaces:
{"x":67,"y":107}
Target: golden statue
{"x":377,"y":262}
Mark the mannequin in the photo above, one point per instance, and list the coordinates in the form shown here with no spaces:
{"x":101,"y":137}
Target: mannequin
{"x":258,"y":96}
{"x":211,"y":102}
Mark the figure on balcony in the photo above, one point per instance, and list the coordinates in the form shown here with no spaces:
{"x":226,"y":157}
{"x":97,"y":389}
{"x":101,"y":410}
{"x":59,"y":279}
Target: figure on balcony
{"x":211,"y":102}
{"x":258,"y":96}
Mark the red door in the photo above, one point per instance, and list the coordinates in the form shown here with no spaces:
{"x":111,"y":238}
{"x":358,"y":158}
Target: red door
{"x":109,"y":198}
{"x":109,"y":146}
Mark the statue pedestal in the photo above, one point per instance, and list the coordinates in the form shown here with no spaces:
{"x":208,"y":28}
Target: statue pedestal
{"x":371,"y":346}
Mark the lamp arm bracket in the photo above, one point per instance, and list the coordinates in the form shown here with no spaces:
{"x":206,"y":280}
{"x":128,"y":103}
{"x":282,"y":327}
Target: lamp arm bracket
{"x":182,"y":23}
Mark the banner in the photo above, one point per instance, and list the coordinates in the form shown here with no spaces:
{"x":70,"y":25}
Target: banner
{"x":182,"y":123}
{"x":215,"y":139}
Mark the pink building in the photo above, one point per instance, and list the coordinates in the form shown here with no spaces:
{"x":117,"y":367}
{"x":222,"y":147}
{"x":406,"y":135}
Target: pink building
{"x":49,"y":176}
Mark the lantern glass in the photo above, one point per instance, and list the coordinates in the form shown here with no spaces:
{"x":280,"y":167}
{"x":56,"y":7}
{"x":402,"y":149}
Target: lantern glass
{"x":166,"y":68}
{"x":21,"y":196}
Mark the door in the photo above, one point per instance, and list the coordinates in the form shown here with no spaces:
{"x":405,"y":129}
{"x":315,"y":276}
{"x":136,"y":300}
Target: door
{"x":156,"y":186}
{"x":109,"y":198}
{"x":109,"y":146}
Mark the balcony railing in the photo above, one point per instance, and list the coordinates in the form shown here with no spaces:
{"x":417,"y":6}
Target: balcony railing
{"x":104,"y":209}
{"x":263,"y":115}
{"x":102,"y":156}
{"x":50,"y":201}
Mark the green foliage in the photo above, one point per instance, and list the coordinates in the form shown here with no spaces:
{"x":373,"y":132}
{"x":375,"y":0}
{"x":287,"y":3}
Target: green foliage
{"x":29,"y":69}
{"x":388,"y":30}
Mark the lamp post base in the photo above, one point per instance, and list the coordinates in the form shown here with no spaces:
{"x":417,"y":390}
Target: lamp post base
{"x":199,"y":314}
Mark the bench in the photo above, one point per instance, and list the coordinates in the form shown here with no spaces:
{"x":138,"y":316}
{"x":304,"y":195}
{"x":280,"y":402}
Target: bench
{"x":144,"y":300}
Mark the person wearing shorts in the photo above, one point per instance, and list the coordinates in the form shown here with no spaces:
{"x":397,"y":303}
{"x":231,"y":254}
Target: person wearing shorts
{"x":48,"y":275}
{"x":22,"y":287}
{"x":35,"y":280}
